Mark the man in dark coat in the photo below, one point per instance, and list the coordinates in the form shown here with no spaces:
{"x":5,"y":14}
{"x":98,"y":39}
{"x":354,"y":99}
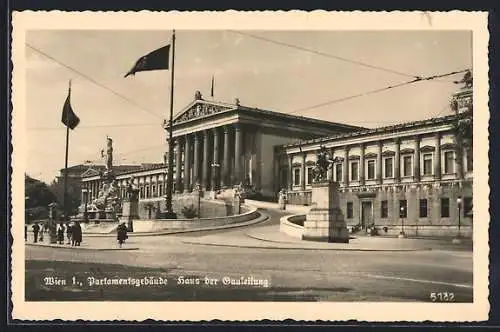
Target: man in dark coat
{"x":36,"y":229}
{"x":76,"y":234}
{"x":25,"y":232}
{"x":60,"y":233}
{"x":121,"y":235}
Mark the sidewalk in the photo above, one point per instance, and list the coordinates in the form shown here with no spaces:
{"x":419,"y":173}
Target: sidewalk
{"x":87,"y":244}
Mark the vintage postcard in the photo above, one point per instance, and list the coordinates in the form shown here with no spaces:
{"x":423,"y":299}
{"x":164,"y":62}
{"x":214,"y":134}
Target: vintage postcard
{"x":250,"y":165}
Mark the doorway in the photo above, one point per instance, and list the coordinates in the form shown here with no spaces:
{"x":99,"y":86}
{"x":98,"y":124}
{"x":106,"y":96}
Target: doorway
{"x":366,"y":214}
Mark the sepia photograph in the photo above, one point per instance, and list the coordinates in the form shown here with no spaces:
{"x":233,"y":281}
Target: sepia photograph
{"x":230,"y":165}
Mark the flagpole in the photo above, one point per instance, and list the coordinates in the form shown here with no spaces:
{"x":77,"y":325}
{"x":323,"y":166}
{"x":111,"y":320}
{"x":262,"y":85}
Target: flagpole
{"x":170,"y":178}
{"x":66,"y":216}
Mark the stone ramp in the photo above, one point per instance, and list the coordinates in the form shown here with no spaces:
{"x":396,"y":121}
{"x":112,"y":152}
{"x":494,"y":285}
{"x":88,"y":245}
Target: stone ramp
{"x":101,"y":228}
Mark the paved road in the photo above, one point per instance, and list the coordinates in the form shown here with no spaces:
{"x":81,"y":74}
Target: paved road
{"x":305,"y":275}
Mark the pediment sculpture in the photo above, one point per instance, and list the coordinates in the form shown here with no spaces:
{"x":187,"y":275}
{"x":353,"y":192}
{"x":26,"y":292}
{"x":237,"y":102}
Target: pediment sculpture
{"x":200,"y":110}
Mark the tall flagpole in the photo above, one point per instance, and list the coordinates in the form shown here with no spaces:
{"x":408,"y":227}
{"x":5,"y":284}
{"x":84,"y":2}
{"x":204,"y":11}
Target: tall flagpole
{"x":66,"y":216}
{"x":170,"y":177}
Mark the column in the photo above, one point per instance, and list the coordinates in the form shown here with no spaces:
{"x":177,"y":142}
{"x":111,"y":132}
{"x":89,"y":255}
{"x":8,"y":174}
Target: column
{"x":238,"y":151}
{"x":196,"y":159}
{"x":290,"y":172}
{"x":206,"y":159}
{"x":216,"y":164}
{"x":361,"y":164}
{"x":437,"y":157}
{"x":303,"y":179}
{"x":178,"y":161}
{"x":416,"y":161}
{"x":397,"y":161}
{"x":346,"y":165}
{"x":227,"y":160}
{"x":187,"y":164}
{"x":379,"y":163}
{"x":332,"y":165}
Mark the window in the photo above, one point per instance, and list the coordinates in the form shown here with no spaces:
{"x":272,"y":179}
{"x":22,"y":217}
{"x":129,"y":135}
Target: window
{"x":147,"y":192}
{"x":427,"y":163}
{"x":449,"y":160}
{"x":160,"y":190}
{"x":407,"y":166}
{"x":384,"y":209}
{"x":469,"y":162}
{"x":141,"y":193}
{"x":354,"y":171}
{"x":445,"y":207}
{"x":349,"y":210}
{"x":423,"y":208}
{"x":338,"y":172}
{"x":388,"y":167}
{"x":403,"y":210}
{"x":309,"y":178}
{"x":153,"y":190}
{"x":296,"y":176}
{"x":467,"y":206}
{"x":371,"y":169}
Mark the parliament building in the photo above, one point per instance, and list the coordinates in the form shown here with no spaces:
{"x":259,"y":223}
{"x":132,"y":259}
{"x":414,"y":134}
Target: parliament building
{"x":416,"y":176}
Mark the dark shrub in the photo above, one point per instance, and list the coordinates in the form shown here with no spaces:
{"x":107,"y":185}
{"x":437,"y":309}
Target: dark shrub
{"x":189,"y":212}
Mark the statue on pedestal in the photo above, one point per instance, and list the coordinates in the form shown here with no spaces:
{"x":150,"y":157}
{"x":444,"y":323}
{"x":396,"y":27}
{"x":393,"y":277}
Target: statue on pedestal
{"x":323,"y":163}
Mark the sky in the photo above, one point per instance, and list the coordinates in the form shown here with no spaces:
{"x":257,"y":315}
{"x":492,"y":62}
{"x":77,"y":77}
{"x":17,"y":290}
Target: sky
{"x":261,"y":72}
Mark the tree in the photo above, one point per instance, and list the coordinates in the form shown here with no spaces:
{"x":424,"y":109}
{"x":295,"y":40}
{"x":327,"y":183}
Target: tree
{"x":38,"y":197}
{"x":74,"y":193}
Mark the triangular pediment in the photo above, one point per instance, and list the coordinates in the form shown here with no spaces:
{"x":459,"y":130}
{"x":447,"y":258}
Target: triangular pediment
{"x":201,"y":109}
{"x":90,"y":172}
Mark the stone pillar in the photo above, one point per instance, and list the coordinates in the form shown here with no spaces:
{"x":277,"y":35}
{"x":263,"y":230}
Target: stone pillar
{"x":187,"y":164}
{"x":379,"y":163}
{"x":325,"y":221}
{"x":437,"y":157}
{"x":216,"y":164}
{"x":346,"y":166}
{"x":206,"y":160}
{"x":196,"y":159}
{"x":397,"y":161}
{"x":361,"y":164}
{"x":303,"y":179}
{"x":178,"y":161}
{"x":227,"y":159}
{"x":238,"y":152}
{"x":416,"y":161}
{"x":290,"y":172}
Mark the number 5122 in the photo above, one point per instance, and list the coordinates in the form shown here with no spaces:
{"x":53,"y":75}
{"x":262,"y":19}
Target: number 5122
{"x":442,"y":297}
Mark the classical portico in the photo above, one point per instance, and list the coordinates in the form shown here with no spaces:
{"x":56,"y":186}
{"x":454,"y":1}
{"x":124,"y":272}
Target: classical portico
{"x":221,"y":145}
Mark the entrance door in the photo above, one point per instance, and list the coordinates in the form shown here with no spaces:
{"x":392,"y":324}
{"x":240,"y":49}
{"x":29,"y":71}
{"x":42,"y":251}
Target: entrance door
{"x":366,"y":214}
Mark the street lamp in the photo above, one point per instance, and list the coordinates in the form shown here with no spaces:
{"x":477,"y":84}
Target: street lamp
{"x":214,"y":176}
{"x":85,"y":192}
{"x":197,"y":187}
{"x":401,"y":215}
{"x":459,"y":205}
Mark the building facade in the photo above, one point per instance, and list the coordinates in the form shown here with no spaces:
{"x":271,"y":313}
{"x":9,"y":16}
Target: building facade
{"x":416,"y":176}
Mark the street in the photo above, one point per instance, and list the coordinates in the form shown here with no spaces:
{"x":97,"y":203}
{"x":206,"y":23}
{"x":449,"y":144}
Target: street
{"x":290,"y":274}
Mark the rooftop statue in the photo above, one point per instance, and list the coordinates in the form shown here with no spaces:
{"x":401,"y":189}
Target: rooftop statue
{"x":467,"y":80}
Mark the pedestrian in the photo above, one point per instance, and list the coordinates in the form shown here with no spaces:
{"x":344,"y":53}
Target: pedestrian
{"x":69,"y":232}
{"x":121,"y":234}
{"x":60,"y":233}
{"x":25,"y":232}
{"x":36,"y":229}
{"x":41,"y":234}
{"x":77,"y":234}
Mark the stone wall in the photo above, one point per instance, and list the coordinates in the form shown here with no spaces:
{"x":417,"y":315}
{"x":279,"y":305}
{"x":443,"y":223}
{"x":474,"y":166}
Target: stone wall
{"x":209,"y":208}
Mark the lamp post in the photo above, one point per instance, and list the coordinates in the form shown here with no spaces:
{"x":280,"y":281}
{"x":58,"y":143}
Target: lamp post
{"x":401,"y":215}
{"x":85,"y":192}
{"x":197,"y":187}
{"x":214,"y":177}
{"x":459,"y":205}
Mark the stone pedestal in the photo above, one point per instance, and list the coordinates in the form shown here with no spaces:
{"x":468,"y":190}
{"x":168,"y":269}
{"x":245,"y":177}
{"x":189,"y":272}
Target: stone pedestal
{"x":325,"y":221}
{"x":130,"y":211}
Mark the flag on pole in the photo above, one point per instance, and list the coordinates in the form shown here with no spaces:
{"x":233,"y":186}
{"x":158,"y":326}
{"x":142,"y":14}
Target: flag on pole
{"x":69,"y":118}
{"x":156,"y":60}
{"x":212,"y":90}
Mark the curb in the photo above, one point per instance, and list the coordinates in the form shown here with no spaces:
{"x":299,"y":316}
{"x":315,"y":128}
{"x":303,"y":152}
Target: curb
{"x":261,"y":218}
{"x":301,"y":248}
{"x":78,"y":248}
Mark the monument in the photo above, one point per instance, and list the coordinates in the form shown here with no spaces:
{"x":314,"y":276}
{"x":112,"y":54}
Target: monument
{"x":108,"y":202}
{"x":325,"y":221}
{"x":130,"y":205}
